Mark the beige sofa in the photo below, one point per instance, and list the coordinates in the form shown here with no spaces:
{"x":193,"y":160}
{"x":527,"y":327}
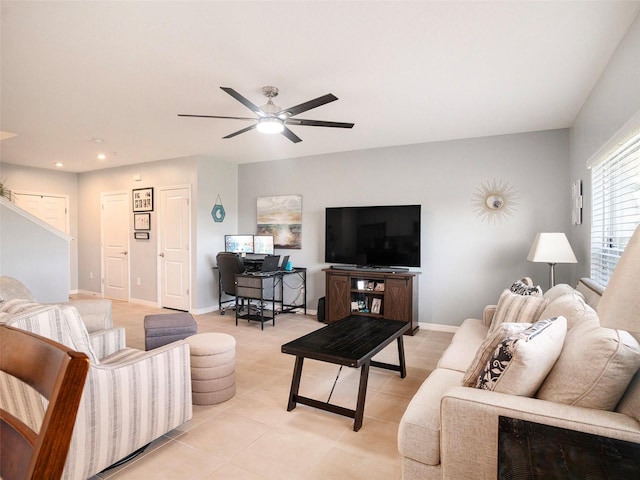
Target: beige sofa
{"x":450,"y":431}
{"x":95,"y":313}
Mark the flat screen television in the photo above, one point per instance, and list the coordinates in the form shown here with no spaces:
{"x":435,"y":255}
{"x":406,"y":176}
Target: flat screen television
{"x":263,"y":244}
{"x":381,"y":236}
{"x":238,"y":243}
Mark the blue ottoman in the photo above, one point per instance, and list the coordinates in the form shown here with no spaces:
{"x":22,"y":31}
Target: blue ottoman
{"x":164,"y":328}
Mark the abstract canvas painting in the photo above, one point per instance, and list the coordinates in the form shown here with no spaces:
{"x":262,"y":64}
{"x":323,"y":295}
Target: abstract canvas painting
{"x":281,"y":216}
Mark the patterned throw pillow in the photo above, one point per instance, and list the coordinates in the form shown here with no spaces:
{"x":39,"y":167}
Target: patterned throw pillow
{"x":521,"y":288}
{"x":522,"y":361}
{"x":514,"y":308}
{"x":487,"y":348}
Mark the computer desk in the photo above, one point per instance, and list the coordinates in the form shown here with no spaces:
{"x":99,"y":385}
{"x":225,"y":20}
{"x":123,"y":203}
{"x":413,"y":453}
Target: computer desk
{"x":270,"y":289}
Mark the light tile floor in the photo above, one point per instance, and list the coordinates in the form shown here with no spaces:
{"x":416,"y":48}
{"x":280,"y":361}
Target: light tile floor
{"x":252,"y":436}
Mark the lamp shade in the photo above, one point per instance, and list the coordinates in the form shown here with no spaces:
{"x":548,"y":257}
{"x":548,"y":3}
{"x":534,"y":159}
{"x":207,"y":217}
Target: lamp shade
{"x":551,"y":248}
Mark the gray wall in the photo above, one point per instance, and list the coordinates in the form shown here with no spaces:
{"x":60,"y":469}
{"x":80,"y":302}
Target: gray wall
{"x":214,"y":178}
{"x":465,"y":262}
{"x":613,"y":101}
{"x":46,"y":274}
{"x":51,"y":182}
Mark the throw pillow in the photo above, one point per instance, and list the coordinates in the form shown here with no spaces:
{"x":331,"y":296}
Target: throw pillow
{"x":513,"y":308}
{"x":487,"y":349}
{"x":559,"y":290}
{"x":594,"y":369}
{"x":17,"y":305}
{"x":522,"y":288}
{"x":572,"y":307}
{"x":522,"y":361}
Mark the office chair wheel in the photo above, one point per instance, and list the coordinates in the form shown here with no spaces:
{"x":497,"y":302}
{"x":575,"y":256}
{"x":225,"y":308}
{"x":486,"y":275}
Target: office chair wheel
{"x":223,"y":311}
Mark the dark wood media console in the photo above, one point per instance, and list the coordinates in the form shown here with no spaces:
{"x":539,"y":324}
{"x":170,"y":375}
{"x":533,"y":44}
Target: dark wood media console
{"x":381,"y":293}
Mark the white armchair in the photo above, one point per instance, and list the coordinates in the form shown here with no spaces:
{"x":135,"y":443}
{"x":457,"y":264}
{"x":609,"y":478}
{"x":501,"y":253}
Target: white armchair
{"x":131,"y":397}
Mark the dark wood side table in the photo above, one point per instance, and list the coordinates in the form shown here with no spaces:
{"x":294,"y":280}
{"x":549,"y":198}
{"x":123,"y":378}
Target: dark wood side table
{"x":352,"y":341}
{"x":533,"y":451}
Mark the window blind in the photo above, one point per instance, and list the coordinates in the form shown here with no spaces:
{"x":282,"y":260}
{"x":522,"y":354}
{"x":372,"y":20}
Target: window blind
{"x":615,"y":206}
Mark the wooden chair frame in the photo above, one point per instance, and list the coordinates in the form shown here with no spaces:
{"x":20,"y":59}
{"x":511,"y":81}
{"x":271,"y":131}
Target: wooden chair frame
{"x":57,"y":373}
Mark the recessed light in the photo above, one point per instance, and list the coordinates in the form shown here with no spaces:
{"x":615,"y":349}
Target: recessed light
{"x":59,"y":164}
{"x":97,"y":140}
{"x":101,"y":156}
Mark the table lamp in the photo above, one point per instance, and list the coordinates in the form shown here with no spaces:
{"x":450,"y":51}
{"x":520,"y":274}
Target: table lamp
{"x":551,"y":248}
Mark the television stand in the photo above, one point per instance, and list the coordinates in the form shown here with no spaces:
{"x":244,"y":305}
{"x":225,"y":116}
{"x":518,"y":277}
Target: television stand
{"x":389,"y":293}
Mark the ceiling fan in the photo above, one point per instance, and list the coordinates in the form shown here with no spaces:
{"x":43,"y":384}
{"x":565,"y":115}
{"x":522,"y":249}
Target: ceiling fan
{"x":272,"y":118}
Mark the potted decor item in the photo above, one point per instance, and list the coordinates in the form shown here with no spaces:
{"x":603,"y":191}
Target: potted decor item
{"x":5,"y":191}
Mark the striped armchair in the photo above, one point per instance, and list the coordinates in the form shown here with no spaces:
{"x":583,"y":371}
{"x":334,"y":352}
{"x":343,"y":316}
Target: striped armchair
{"x":131,"y":397}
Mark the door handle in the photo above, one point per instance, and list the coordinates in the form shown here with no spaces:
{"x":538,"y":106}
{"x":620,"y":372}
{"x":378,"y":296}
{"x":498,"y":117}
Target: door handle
{"x":123,"y":253}
{"x":161,"y":255}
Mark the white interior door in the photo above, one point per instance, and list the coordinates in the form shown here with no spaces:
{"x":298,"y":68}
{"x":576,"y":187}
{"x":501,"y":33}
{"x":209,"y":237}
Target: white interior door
{"x":48,"y":208}
{"x":174,"y":226}
{"x":115,"y":245}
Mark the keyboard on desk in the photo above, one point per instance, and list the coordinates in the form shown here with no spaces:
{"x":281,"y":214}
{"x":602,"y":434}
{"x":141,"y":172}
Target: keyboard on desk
{"x":262,"y":274}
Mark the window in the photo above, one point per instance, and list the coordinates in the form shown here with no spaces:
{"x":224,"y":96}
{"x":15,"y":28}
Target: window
{"x":615,"y":205}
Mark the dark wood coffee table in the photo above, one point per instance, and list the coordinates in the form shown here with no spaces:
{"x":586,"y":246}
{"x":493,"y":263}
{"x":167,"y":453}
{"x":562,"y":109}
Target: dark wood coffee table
{"x":352,"y":341}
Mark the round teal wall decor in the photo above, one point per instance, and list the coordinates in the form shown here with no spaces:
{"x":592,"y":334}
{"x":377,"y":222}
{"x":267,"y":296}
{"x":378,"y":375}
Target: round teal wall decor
{"x":218,"y":212}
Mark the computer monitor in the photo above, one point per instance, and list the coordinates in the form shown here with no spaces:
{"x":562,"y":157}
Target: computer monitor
{"x":263,"y":244}
{"x":238,"y":243}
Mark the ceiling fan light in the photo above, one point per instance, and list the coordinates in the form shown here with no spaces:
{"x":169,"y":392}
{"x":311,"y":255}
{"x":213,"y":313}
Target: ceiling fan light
{"x":270,"y":125}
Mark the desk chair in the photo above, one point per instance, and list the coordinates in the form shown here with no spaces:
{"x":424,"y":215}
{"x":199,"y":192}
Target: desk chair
{"x":229,"y":264}
{"x":58,"y":374}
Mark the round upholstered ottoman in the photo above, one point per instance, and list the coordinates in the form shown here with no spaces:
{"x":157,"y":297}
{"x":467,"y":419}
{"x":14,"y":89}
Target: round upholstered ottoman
{"x":213,"y":367}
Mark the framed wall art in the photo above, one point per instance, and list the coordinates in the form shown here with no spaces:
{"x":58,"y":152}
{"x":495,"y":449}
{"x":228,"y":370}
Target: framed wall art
{"x":143,"y":199}
{"x":281,"y":216}
{"x":142,"y":221}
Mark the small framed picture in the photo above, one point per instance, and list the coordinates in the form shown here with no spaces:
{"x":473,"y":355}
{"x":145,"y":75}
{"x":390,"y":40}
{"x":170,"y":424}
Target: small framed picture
{"x":379,"y":287}
{"x":354,"y":306}
{"x":141,"y":235}
{"x":142,"y":221}
{"x":143,"y":199}
{"x":376,"y":304}
{"x":362,"y":284}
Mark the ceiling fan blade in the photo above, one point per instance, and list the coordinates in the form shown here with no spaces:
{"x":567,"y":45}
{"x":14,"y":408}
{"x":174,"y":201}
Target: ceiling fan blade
{"x":303,"y":107}
{"x":290,"y":135}
{"x":215,"y":116}
{"x":247,"y":103}
{"x":317,"y":123}
{"x":241,"y":131}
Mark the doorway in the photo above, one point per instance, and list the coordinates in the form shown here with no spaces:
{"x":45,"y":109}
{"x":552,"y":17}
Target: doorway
{"x":174,"y":238}
{"x":115,"y":245}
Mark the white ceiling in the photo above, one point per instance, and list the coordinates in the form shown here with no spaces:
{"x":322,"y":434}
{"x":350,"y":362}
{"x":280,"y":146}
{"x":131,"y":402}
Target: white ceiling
{"x":404,"y":73}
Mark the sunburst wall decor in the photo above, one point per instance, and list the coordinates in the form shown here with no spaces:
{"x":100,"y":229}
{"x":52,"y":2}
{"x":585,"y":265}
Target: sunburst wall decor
{"x":495,"y":201}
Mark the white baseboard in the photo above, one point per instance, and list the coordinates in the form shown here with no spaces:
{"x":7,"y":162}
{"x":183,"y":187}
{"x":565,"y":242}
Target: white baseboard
{"x":146,"y":303}
{"x":201,"y":311}
{"x":437,"y":327}
{"x":88,"y":292}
